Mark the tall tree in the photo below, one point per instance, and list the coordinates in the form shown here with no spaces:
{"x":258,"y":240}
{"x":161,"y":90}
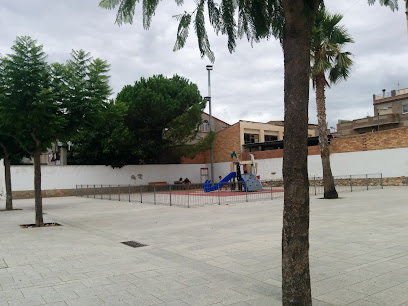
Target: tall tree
{"x":29,"y":108}
{"x":292,"y":22}
{"x":42,"y":103}
{"x":9,"y":151}
{"x":327,"y":58}
{"x":163,"y":112}
{"x":82,"y":85}
{"x":108,"y":141}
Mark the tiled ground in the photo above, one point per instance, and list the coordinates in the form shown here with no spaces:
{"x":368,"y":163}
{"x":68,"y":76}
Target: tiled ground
{"x":209,"y":255}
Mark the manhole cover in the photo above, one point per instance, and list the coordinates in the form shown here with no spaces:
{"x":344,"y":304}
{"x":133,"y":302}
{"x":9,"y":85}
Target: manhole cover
{"x":45,"y":225}
{"x":134,"y":244}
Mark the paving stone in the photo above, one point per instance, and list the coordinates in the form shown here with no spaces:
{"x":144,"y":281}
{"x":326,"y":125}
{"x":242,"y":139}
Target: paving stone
{"x":341,"y":296}
{"x":220,"y":255}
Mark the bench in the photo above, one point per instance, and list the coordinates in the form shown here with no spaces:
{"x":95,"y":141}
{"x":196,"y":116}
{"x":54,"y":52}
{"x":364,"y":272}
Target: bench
{"x":157,"y":183}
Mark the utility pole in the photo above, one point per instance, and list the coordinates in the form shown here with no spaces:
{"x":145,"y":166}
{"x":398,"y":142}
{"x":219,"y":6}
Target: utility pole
{"x":209,"y":68}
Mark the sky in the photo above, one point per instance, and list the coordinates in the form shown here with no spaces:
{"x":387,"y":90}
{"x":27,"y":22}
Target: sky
{"x":245,"y":85}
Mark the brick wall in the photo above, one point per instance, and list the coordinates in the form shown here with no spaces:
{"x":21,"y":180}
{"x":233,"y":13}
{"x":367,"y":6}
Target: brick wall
{"x":198,"y":159}
{"x":226,"y":142}
{"x":278,"y":153}
{"x":381,"y":140}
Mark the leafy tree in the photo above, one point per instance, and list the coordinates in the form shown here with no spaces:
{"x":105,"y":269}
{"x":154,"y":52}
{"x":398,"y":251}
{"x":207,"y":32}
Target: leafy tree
{"x":291,"y":21}
{"x":163,"y":112}
{"x":328,"y":40}
{"x":29,"y":111}
{"x":82,"y":85}
{"x":108,"y":142}
{"x":42,"y":103}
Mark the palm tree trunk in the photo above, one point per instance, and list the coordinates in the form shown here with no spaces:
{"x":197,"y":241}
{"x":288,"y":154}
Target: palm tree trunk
{"x":37,"y":189}
{"x":296,"y":288}
{"x":7,"y":176}
{"x":328,"y":180}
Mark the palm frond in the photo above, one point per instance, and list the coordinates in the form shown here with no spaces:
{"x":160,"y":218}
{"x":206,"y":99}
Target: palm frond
{"x":182,"y":31}
{"x":229,"y":26}
{"x":328,"y":40}
{"x":392,"y":4}
{"x":199,"y":26}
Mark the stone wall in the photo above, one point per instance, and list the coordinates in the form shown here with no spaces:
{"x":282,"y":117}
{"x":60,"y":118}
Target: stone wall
{"x":377,"y":181}
{"x":28,"y":194}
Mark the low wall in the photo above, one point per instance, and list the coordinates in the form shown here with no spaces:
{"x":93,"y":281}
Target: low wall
{"x":61,"y":180}
{"x":66,"y":177}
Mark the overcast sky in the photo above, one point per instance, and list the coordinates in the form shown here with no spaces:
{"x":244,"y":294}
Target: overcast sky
{"x":245,"y":85}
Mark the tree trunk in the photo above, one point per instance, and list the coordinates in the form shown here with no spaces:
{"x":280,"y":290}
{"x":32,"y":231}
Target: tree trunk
{"x":299,"y":21}
{"x":328,"y":180}
{"x":37,"y":189}
{"x":7,"y":176}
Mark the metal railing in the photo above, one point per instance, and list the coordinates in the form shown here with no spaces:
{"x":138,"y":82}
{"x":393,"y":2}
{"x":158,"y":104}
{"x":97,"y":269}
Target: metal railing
{"x":348,"y":183}
{"x":179,"y":194}
{"x":194,"y":195}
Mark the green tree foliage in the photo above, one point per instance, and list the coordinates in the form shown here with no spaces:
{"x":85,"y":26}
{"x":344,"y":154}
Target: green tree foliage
{"x":29,"y":110}
{"x":82,"y":85}
{"x":108,"y":141}
{"x":327,"y":58}
{"x":40,"y":103}
{"x":163,"y":112}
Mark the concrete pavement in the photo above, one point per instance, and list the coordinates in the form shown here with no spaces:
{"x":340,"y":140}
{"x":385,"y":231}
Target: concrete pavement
{"x":209,"y":255}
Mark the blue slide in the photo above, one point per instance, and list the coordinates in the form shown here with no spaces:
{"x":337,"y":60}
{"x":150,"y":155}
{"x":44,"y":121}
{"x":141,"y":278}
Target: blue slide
{"x":207,"y":185}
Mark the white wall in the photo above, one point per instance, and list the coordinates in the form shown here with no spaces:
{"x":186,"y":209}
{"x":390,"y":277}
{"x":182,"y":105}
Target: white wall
{"x":391,"y":163}
{"x":66,"y":177}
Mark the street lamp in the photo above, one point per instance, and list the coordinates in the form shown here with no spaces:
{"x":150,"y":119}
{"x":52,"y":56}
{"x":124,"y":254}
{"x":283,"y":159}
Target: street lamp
{"x":209,"y":68}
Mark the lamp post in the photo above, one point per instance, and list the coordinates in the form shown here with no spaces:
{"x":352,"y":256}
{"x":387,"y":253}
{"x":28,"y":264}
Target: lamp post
{"x":209,"y":68}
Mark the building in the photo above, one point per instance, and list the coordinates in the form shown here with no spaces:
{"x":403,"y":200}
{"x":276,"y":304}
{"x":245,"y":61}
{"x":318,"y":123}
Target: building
{"x":217,"y":125}
{"x":248,"y":136}
{"x":390,"y":111}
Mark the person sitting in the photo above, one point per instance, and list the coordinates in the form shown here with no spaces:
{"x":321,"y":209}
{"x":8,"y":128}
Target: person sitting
{"x":180,"y":181}
{"x":187,"y":181}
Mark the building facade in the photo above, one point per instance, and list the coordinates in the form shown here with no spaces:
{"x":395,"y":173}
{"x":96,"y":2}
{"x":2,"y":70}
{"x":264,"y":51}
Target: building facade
{"x":246,"y":136}
{"x":390,"y":112}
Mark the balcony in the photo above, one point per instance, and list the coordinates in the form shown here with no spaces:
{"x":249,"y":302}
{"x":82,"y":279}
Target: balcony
{"x":369,"y":124}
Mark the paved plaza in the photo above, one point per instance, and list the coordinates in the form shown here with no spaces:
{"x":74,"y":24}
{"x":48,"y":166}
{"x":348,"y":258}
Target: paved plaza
{"x":206,"y":255}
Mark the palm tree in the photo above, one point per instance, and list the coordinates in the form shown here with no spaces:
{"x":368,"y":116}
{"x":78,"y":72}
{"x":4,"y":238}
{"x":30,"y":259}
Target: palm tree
{"x":329,"y":65}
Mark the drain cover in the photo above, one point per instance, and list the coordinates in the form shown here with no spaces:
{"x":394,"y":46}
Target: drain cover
{"x":44,"y":225}
{"x":134,"y":244}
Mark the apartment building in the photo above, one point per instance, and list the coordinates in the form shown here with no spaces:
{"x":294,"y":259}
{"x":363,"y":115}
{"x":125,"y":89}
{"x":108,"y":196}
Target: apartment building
{"x":390,"y":111}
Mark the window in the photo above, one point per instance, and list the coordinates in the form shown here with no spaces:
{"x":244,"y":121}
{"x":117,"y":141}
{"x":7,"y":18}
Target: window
{"x":405,"y":108}
{"x":206,"y":126}
{"x":251,"y":138}
{"x":270,"y":138}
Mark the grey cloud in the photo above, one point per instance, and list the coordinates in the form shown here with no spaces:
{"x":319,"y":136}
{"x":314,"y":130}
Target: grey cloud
{"x":247,"y":84}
